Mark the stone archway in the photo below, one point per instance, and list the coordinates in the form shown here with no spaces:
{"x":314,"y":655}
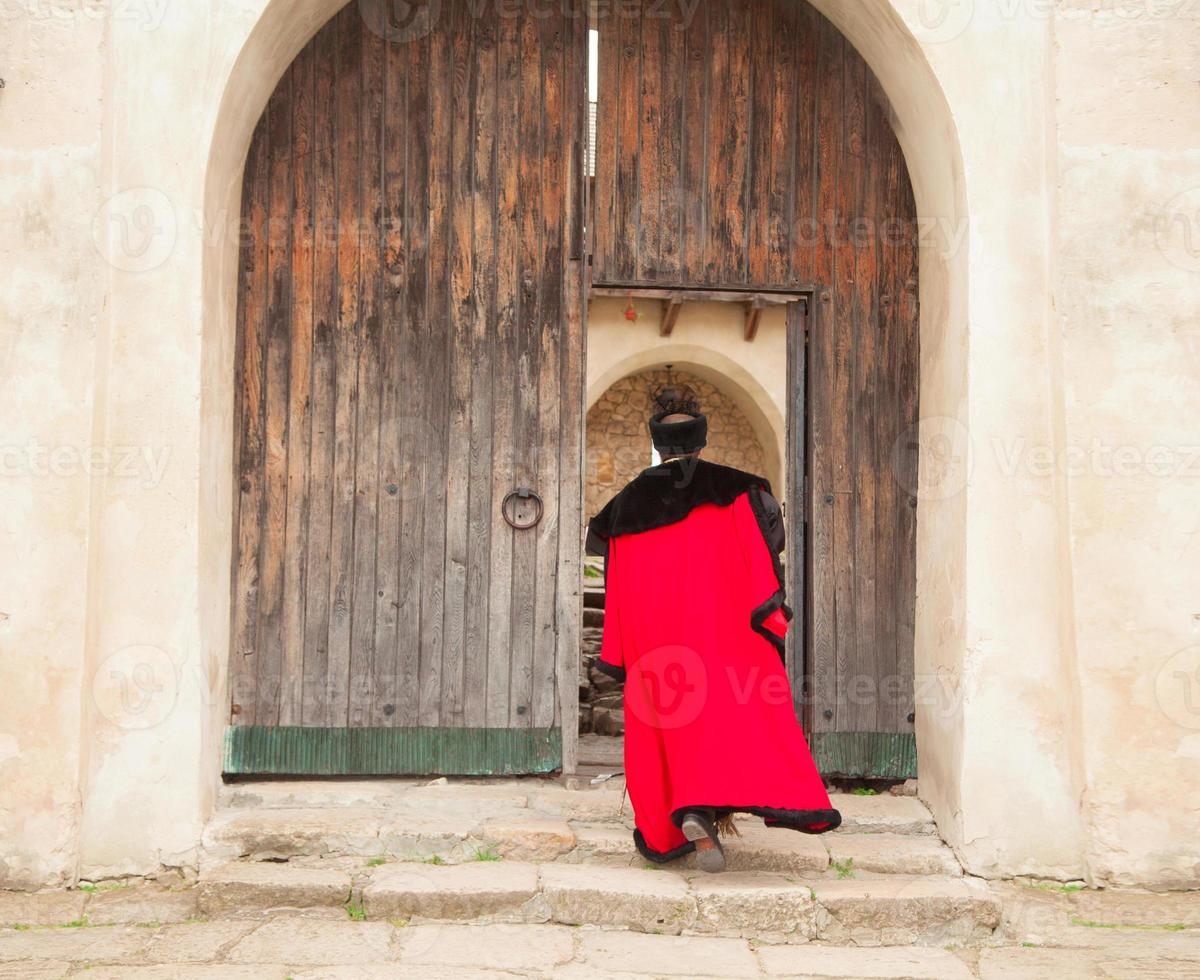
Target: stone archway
{"x":968,"y":777}
{"x":926,"y":131}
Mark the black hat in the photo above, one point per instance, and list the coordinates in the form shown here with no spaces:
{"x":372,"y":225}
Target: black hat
{"x":679,"y":438}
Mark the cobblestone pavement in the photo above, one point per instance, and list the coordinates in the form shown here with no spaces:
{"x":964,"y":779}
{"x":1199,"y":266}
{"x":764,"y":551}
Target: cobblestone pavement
{"x":1046,"y":933}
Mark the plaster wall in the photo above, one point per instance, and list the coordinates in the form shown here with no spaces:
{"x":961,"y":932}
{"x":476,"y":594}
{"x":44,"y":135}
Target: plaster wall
{"x":1127,"y":305}
{"x":1046,"y":317}
{"x":51,"y":294}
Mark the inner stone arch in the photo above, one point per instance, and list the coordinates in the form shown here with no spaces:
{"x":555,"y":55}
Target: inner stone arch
{"x":618,"y":442}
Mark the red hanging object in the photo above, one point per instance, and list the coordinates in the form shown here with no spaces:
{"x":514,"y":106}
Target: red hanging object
{"x":631,"y":314}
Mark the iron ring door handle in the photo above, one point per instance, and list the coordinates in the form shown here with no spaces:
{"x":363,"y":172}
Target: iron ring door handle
{"x":521,"y":493}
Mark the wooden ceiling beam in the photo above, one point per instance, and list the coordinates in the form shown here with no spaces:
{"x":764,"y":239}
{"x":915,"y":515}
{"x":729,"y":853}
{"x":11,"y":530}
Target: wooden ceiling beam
{"x":753,"y":308}
{"x":670,"y":314}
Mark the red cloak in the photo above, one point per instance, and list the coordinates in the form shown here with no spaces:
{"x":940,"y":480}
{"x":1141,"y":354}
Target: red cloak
{"x":694,"y":624}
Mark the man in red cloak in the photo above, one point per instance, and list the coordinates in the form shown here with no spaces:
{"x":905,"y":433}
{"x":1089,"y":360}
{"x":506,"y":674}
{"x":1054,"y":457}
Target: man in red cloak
{"x":694,"y":626}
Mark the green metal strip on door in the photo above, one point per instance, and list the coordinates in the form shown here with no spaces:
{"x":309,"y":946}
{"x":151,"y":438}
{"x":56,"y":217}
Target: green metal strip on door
{"x":885,"y":755}
{"x":311,"y":751}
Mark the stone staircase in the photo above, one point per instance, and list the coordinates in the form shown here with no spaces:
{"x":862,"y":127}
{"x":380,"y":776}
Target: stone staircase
{"x":537,"y":851}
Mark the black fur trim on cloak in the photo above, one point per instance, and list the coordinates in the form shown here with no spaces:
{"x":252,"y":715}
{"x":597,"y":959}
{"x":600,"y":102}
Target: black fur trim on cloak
{"x":801,"y":820}
{"x":770,"y":522}
{"x":660,"y":857}
{"x":666,"y":494}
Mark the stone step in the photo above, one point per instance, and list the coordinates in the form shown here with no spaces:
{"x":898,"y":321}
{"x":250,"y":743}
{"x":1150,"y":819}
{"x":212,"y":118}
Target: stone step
{"x":882,"y":814}
{"x":587,"y":829}
{"x":765,"y":905}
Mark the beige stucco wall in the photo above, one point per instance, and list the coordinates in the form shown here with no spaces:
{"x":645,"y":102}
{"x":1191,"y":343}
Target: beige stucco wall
{"x":51,"y":296}
{"x":1050,"y":149}
{"x":1127,"y":299}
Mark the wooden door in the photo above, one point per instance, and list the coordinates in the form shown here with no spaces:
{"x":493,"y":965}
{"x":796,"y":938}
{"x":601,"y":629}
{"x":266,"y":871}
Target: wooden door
{"x":410,"y":344}
{"x":746,"y":145}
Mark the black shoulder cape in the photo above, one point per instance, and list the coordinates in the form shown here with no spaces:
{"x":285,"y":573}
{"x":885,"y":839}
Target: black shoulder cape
{"x":666,"y":494}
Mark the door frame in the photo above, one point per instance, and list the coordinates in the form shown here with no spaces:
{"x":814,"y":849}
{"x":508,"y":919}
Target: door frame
{"x":797,"y":507}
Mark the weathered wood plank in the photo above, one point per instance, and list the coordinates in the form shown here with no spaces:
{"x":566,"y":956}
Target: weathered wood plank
{"x":892,"y":705}
{"x":482,"y":447}
{"x":823,"y":667}
{"x":795,"y":510}
{"x":569,"y":604}
{"x":248,"y":426}
{"x":278,"y":340}
{"x":459,"y":363}
{"x":393,"y":398}
{"x":608,"y":124}
{"x":907,"y":376}
{"x":626,"y":225}
{"x":845,"y":624}
{"x":554,"y":177}
{"x":324,"y":382}
{"x":530,"y":284}
{"x":436,"y":338}
{"x":652,"y":30}
{"x":805,"y":235}
{"x":345,"y":342}
{"x":861,"y":242}
{"x":362,"y":693}
{"x":761,"y":110}
{"x":504,"y":367}
{"x":785,"y":128}
{"x":670,"y":195}
{"x":299,"y":426}
{"x":721,"y":178}
{"x":695,"y":137}
{"x":414,"y":383}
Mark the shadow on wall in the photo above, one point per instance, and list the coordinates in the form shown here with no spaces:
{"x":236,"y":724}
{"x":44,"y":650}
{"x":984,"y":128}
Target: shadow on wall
{"x":618,"y":442}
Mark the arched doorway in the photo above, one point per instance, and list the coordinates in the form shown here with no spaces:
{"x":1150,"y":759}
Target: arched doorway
{"x":794,"y":182}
